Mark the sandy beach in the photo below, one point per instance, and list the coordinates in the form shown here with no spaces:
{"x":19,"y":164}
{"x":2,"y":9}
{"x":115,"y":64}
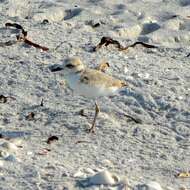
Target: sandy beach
{"x":153,"y":148}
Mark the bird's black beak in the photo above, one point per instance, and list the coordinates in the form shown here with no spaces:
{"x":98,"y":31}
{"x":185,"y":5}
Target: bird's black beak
{"x":55,"y":68}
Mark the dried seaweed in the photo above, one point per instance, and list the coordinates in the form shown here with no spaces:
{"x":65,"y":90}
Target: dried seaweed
{"x":107,"y":41}
{"x":17,"y":26}
{"x":143,"y":44}
{"x":21,"y":38}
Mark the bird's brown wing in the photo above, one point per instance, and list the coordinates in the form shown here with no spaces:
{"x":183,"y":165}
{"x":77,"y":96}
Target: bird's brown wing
{"x":97,"y":78}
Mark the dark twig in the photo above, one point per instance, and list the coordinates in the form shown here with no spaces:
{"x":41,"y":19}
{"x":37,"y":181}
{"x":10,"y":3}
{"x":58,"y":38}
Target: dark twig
{"x":133,"y":119}
{"x":42,"y":102}
{"x":25,"y":40}
{"x":81,"y":141}
{"x":58,"y":46}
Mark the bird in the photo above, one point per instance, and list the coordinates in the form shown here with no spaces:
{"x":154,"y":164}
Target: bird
{"x":87,"y":82}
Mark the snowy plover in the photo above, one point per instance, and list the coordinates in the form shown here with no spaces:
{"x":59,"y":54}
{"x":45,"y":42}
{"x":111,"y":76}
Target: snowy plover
{"x":87,"y":82}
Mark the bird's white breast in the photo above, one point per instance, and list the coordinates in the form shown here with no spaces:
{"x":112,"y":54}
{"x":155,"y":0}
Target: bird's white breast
{"x":89,"y":90}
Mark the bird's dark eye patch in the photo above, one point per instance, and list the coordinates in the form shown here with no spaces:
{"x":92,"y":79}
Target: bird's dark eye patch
{"x":69,"y":66}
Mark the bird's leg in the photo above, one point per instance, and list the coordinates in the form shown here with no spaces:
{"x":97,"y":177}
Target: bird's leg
{"x":97,"y":110}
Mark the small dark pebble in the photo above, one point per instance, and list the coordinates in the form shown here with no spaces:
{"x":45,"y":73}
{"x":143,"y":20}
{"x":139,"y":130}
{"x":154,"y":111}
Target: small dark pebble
{"x":1,"y":136}
{"x":30,"y":116}
{"x":45,"y":21}
{"x":82,"y":112}
{"x":3,"y":99}
{"x":96,"y":25}
{"x":51,"y":139}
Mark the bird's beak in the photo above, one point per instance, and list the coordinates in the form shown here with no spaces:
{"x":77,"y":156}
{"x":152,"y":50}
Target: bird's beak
{"x":55,"y":68}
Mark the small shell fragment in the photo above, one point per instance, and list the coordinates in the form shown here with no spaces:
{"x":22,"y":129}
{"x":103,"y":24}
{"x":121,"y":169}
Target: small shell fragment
{"x":11,"y":158}
{"x":152,"y":185}
{"x":1,"y":163}
{"x":79,"y":174}
{"x":180,"y":97}
{"x":169,"y":188}
{"x":104,"y":178}
{"x":107,"y":162}
{"x":29,"y":153}
{"x":89,"y":171}
{"x":124,"y":181}
{"x":17,"y":141}
{"x":4,"y":154}
{"x":9,"y":146}
{"x":126,"y":70}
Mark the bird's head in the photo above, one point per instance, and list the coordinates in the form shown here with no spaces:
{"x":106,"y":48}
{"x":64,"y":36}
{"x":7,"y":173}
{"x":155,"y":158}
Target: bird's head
{"x":69,"y":66}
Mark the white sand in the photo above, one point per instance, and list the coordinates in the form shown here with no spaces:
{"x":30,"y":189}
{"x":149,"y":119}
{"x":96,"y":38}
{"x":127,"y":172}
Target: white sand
{"x":155,"y":150}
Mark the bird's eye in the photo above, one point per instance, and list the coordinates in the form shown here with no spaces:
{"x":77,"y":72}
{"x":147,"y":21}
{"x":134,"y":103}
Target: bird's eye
{"x":70,"y":66}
